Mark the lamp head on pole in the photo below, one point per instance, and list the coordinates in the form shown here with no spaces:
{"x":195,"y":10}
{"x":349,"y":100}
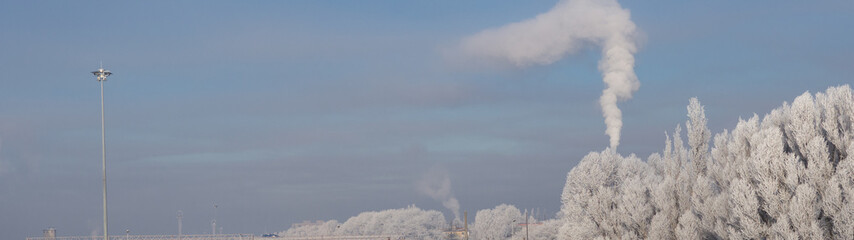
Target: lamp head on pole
{"x":102,"y":74}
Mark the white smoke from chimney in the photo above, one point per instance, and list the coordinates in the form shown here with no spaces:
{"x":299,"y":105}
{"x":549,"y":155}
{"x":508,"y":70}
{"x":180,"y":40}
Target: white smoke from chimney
{"x":436,"y":183}
{"x":567,"y":27}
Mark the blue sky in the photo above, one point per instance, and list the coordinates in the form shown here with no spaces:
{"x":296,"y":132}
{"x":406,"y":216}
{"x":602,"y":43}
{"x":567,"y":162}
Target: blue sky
{"x":311,"y":110}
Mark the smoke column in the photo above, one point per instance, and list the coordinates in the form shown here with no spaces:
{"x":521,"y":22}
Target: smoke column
{"x":436,"y":184}
{"x":567,"y":27}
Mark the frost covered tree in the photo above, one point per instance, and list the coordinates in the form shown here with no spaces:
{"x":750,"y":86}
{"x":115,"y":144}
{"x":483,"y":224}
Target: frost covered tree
{"x":608,"y":196}
{"x":496,"y":224}
{"x":325,"y":229}
{"x":788,"y":175}
{"x":547,"y":230}
{"x":505,"y":222}
{"x":408,"y":222}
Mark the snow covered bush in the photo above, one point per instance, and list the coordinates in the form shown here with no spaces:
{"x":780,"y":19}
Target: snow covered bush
{"x":789,"y":175}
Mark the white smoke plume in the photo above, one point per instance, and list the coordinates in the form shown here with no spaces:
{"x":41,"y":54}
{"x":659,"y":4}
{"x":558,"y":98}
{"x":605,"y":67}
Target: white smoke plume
{"x":436,"y":183}
{"x":567,"y":27}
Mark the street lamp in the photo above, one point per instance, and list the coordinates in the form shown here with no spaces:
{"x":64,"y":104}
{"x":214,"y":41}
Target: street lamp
{"x":101,"y":74}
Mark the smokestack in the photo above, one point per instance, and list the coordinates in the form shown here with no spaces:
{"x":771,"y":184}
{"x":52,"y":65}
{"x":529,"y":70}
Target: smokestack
{"x":466,"y":224}
{"x":567,"y":27}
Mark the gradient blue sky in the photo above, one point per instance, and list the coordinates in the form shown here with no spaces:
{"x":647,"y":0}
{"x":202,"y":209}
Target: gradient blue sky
{"x":312,"y":110}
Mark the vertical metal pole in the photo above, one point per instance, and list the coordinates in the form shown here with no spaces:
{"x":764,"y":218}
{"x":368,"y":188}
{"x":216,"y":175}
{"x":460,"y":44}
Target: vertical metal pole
{"x":104,"y":158}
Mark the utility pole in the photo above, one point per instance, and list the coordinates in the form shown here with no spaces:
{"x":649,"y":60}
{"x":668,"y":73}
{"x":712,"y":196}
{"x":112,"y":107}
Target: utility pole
{"x":526,"y":224}
{"x":101,"y":74}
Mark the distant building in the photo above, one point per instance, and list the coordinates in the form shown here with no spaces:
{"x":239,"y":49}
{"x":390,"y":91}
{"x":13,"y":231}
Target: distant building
{"x":456,"y":233}
{"x":50,"y":234}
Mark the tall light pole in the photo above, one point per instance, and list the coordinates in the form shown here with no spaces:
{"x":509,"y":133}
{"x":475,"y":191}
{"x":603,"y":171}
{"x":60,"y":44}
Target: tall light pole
{"x":101,"y":74}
